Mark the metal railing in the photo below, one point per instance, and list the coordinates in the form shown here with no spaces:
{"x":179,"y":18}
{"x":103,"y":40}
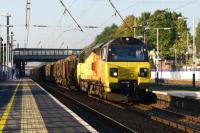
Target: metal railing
{"x":31,"y":51}
{"x":5,"y":73}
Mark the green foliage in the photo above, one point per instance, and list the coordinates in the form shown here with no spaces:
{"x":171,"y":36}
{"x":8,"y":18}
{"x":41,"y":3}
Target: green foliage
{"x":126,"y":29}
{"x":106,"y":35}
{"x":169,"y":40}
{"x":198,"y":39}
{"x":175,"y":37}
{"x":181,"y":44}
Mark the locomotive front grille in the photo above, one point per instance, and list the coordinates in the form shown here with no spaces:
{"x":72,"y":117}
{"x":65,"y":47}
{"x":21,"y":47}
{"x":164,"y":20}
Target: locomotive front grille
{"x":125,"y":73}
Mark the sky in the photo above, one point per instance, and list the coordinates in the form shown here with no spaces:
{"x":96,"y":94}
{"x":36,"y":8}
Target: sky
{"x":62,"y":31}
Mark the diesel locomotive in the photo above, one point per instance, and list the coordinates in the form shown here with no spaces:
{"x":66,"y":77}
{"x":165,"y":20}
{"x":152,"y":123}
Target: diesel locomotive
{"x":114,"y":70}
{"x":117,"y":68}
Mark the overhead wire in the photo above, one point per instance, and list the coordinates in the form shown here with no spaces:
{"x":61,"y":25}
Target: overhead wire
{"x":191,"y":2}
{"x":134,"y":4}
{"x":38,"y":44}
{"x":81,"y":15}
{"x":186,"y":4}
{"x":74,"y":1}
{"x":66,"y":10}
{"x":53,"y":32}
{"x":60,"y":33}
{"x":61,"y":44}
{"x":113,"y":6}
{"x":85,"y":11}
{"x":91,"y":33}
{"x":116,"y":9}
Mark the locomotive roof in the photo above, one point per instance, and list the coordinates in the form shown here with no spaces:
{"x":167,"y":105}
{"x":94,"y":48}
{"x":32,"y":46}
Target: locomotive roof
{"x":121,"y":40}
{"x":124,"y":41}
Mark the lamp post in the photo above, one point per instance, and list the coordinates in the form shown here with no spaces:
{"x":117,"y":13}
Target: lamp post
{"x":11,"y":50}
{"x":4,"y":54}
{"x":157,"y":62}
{"x":0,"y":46}
{"x":193,"y":51}
{"x":157,"y":51}
{"x":3,"y":64}
{"x":7,"y":15}
{"x":193,"y":55}
{"x":187,"y":52}
{"x":175,"y":57}
{"x":1,"y":69}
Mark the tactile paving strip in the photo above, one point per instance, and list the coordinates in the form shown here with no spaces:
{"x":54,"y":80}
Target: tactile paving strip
{"x":31,"y":121}
{"x":36,"y":111}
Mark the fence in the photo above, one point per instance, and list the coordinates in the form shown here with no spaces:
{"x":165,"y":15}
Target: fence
{"x":178,"y":75}
{"x":5,"y":73}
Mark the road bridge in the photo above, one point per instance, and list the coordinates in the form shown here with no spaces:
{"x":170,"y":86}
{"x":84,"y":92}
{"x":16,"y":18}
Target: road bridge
{"x":23,"y":55}
{"x":42,"y":55}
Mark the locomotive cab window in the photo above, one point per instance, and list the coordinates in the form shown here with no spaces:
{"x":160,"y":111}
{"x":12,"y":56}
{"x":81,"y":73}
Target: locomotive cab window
{"x":127,"y":53}
{"x":103,"y":54}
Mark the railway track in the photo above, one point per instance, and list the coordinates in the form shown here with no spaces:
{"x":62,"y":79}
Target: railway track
{"x":119,"y":126}
{"x":189,"y":118}
{"x":188,"y":124}
{"x":181,"y":121}
{"x":125,"y":120}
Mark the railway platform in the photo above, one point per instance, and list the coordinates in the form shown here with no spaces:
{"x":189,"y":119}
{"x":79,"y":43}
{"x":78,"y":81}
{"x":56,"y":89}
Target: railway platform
{"x":177,"y":96}
{"x":174,"y":89}
{"x":26,"y":107}
{"x":179,"y":93}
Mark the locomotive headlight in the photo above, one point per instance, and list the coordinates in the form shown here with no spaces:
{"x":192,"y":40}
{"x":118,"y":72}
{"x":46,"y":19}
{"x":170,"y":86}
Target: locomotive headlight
{"x":143,"y":72}
{"x":113,"y":72}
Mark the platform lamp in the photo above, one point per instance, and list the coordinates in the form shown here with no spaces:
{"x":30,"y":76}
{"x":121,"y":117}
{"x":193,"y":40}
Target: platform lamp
{"x":157,"y":51}
{"x":11,"y":51}
{"x":193,"y":55}
{"x":4,"y":56}
{"x":1,"y":40}
{"x":1,"y":61}
{"x":193,"y":51}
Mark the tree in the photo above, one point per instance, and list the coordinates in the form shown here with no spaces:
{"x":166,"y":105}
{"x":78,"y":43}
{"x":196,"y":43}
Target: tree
{"x":162,"y":19}
{"x":175,"y":38}
{"x":167,"y":38}
{"x":126,"y":28}
{"x":180,"y":43}
{"x":106,"y":35}
{"x":198,"y":39}
{"x":143,"y":22}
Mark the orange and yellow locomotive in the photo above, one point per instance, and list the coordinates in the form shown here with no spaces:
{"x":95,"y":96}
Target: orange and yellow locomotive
{"x":118,"y":67}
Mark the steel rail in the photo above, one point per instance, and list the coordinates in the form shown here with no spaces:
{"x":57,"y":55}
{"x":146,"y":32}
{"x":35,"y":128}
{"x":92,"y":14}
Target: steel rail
{"x":134,"y":109}
{"x":93,"y":110}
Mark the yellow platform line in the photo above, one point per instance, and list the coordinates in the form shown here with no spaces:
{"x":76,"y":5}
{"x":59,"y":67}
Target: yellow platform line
{"x":8,"y":107}
{"x":31,"y":121}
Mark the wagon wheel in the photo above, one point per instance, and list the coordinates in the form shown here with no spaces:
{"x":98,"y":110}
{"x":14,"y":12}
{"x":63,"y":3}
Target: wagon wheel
{"x":100,"y":89}
{"x":90,"y":90}
{"x":82,"y":88}
{"x":104,"y":95}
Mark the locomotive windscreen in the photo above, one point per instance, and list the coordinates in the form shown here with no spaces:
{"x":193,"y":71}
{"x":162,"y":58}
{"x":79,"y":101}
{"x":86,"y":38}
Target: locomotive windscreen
{"x":127,"y":53}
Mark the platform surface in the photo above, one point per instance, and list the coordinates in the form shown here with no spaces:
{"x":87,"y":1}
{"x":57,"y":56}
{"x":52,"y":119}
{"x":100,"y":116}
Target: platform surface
{"x":25,"y":107}
{"x":179,"y":93}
